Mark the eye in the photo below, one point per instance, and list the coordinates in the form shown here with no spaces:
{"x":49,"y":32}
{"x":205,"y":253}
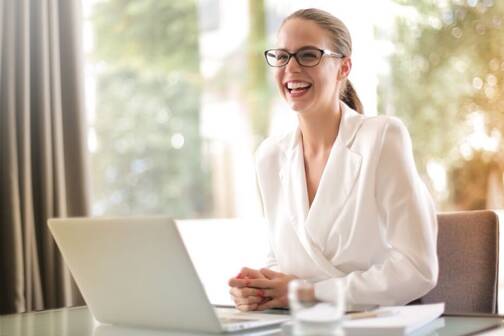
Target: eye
{"x":281,"y":56}
{"x":277,"y":55}
{"x":309,"y":55}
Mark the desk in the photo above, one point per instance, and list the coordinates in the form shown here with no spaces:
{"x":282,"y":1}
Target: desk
{"x":79,"y":322}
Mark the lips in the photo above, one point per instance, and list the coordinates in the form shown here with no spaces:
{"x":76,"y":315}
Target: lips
{"x":297,"y":88}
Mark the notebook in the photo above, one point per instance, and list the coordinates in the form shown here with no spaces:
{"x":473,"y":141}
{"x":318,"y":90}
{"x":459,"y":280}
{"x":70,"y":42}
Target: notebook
{"x":396,"y":321}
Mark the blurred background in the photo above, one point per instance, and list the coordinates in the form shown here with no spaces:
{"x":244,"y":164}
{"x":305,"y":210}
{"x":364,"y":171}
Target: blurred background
{"x":179,"y":97}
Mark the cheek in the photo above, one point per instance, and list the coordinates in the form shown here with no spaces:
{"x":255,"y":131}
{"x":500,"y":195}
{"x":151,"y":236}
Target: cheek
{"x":329,"y":81}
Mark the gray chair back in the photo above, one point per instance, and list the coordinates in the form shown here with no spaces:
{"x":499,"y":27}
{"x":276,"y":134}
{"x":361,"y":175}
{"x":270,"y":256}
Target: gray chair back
{"x":468,"y":250}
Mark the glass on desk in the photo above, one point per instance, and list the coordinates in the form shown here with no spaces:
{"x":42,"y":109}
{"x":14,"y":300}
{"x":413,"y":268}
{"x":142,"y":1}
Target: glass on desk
{"x":311,"y":316}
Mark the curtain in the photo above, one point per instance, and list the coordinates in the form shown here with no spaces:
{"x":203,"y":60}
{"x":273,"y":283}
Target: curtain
{"x":43,"y":164}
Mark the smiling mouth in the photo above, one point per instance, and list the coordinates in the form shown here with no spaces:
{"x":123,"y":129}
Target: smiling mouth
{"x":297,"y":89}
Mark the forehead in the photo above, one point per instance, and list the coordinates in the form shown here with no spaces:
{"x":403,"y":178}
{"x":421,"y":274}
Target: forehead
{"x":297,"y":33}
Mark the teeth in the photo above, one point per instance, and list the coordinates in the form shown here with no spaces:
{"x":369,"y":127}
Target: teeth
{"x":297,"y":85}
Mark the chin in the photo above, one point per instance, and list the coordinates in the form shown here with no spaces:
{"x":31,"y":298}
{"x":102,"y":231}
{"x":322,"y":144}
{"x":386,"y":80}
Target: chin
{"x":298,"y":110}
{"x":298,"y":107}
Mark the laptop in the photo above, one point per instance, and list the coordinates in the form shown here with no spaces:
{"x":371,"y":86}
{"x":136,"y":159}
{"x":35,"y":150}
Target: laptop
{"x":137,"y":272}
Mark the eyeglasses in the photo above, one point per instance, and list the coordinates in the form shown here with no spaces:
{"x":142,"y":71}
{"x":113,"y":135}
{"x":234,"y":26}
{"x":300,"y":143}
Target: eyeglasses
{"x":307,"y":57}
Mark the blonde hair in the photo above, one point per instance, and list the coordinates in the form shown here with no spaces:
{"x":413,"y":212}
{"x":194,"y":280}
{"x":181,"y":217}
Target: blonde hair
{"x":341,"y":43}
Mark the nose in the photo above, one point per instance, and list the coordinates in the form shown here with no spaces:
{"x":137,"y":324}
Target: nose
{"x":293,"y":65}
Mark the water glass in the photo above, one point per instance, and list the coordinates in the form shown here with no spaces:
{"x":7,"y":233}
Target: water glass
{"x":317,"y":316}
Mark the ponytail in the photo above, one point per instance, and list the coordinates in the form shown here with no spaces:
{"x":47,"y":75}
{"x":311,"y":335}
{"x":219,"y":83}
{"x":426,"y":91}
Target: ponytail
{"x":351,"y":98}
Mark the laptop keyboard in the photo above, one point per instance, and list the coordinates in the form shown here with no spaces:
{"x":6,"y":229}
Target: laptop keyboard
{"x":228,"y":320}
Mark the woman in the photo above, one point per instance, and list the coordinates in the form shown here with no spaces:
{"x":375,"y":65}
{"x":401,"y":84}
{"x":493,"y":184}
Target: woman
{"x":341,"y":194}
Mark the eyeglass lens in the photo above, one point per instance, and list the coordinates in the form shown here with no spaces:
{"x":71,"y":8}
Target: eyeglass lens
{"x":305,"y":57}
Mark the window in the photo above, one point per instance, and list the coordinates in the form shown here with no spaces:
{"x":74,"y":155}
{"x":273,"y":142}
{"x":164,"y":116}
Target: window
{"x":179,"y":97}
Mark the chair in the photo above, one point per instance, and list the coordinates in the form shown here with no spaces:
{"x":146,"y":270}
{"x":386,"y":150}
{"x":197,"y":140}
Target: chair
{"x":468,"y":250}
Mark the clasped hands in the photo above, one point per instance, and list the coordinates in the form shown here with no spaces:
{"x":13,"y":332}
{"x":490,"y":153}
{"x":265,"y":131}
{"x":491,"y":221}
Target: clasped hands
{"x":260,"y":289}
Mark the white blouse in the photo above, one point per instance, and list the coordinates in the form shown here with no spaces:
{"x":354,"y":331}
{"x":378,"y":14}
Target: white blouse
{"x":372,"y":221}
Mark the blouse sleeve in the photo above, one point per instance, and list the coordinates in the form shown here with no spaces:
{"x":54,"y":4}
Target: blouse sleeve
{"x":409,"y":222}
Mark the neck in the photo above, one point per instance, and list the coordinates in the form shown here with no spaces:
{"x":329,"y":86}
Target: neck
{"x":319,"y":130}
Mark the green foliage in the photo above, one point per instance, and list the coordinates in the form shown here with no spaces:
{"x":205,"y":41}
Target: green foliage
{"x":147,"y":98}
{"x":148,"y":34}
{"x":449,"y":63}
{"x":258,"y":97}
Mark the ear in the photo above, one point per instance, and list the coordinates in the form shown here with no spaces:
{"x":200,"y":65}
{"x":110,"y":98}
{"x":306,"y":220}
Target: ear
{"x":345,"y":67}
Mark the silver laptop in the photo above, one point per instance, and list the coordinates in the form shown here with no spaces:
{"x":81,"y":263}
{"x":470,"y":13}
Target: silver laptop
{"x":137,"y":272}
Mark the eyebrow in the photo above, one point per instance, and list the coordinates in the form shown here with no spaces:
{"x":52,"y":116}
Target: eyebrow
{"x":303,"y":47}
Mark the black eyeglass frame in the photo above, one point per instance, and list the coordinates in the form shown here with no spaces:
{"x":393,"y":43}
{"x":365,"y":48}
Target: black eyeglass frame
{"x":323,"y":52}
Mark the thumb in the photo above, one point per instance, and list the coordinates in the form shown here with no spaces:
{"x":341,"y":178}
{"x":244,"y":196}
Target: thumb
{"x":270,"y":274}
{"x":249,"y":273}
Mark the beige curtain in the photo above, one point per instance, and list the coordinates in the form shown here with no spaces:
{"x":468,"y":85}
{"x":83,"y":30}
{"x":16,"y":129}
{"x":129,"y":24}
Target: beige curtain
{"x":43,"y":167}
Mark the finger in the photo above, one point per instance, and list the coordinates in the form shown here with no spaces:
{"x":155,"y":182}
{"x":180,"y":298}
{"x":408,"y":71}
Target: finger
{"x":275,"y":303}
{"x":249,"y":300}
{"x":236,"y":277}
{"x":263,"y":293}
{"x":247,"y":307}
{"x":242,"y":292}
{"x":267,"y":293}
{"x":235,"y":292}
{"x":262,"y":283}
{"x":247,"y":291}
{"x":270,"y":274}
{"x":249,"y":273}
{"x":240,"y":283}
